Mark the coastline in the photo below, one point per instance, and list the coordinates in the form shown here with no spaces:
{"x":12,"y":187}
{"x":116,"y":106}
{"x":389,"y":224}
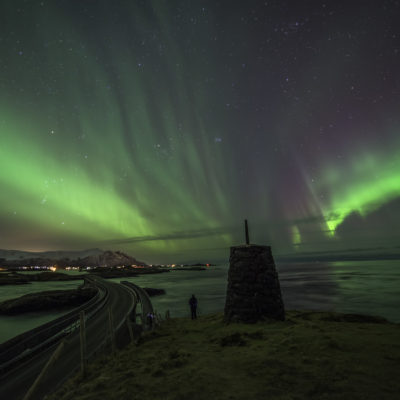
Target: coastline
{"x":50,"y":300}
{"x":16,"y":278}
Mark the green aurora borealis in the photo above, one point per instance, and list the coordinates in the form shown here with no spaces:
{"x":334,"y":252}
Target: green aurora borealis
{"x":157,"y":127}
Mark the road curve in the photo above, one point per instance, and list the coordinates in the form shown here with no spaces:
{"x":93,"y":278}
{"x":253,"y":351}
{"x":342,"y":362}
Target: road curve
{"x":15,"y":383}
{"x":144,"y":298}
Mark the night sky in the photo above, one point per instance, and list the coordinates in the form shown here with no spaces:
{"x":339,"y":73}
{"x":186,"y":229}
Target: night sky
{"x":157,"y":127}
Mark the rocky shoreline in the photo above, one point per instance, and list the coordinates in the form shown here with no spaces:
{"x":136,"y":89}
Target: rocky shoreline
{"x":189,"y":268}
{"x":154,"y":292}
{"x":47,"y":301}
{"x":55,"y":300}
{"x":16,"y":278}
{"x":109,"y":273}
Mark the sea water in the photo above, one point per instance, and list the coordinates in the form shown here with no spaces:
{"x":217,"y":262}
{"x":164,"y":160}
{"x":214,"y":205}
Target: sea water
{"x":364,"y":287}
{"x":13,"y":325}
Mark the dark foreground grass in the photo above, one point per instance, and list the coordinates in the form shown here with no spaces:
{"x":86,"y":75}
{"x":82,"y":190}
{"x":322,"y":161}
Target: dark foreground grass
{"x":312,"y":355}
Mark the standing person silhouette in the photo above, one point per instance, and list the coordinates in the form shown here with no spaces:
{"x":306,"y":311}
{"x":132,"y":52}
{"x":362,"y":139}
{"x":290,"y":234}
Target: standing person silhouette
{"x":150,"y":320}
{"x":193,"y":306}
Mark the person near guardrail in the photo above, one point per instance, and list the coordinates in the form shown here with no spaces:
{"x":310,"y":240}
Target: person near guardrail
{"x":149,"y":319}
{"x":193,"y":306}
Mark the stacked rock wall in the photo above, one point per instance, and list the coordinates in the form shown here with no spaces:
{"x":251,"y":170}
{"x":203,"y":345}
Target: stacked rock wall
{"x":253,"y":291}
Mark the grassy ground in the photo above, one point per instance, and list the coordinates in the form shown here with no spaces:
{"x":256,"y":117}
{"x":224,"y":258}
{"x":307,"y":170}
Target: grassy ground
{"x":309,"y":356}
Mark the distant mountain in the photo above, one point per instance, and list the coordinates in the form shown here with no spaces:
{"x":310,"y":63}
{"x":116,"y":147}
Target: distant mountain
{"x":110,"y":259}
{"x":83,"y":258}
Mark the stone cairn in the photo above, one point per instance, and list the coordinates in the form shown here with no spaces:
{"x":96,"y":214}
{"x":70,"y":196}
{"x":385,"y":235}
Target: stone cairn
{"x":253,"y":291}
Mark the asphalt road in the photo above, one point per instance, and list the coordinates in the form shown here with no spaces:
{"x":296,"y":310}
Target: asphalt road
{"x":14,"y":384}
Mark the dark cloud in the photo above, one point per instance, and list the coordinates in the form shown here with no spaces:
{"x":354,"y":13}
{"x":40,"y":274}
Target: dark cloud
{"x":180,"y":235}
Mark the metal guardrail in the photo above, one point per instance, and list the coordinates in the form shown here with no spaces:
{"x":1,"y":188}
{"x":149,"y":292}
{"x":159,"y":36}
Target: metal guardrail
{"x":102,"y":299}
{"x":27,"y":345}
{"x":116,"y":329}
{"x":36,"y":340}
{"x":147,"y":307}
